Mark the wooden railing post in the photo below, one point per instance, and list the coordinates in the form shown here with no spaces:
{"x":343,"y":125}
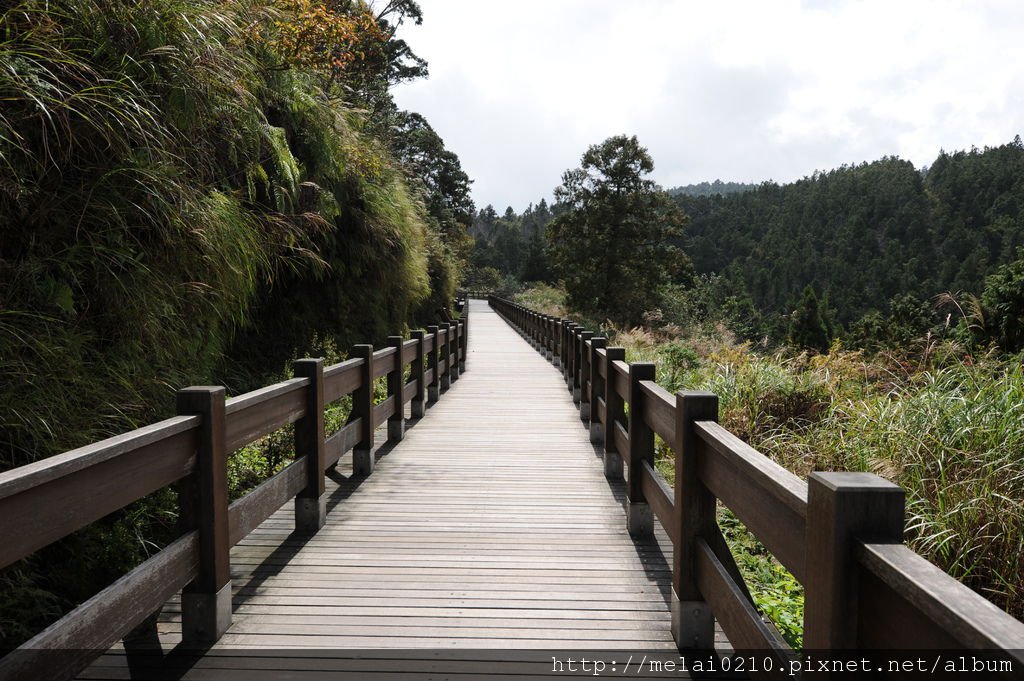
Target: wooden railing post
{"x":585,"y":338}
{"x":615,"y":412}
{"x":446,"y":354}
{"x":578,"y":365}
{"x":465,"y":341}
{"x":557,"y":333}
{"x":693,"y":625}
{"x":311,"y":502}
{"x":206,"y":601}
{"x":433,"y":359}
{"x":597,"y":343}
{"x":456,"y":348}
{"x":419,"y":368}
{"x":841,"y":508}
{"x":567,"y":353}
{"x":549,"y":340}
{"x":396,"y":388}
{"x":577,"y":362}
{"x":639,"y":520}
{"x":573,"y":357}
{"x":362,"y":408}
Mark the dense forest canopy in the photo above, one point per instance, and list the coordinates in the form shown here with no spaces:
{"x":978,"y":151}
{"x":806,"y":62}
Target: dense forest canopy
{"x":864,"y":234}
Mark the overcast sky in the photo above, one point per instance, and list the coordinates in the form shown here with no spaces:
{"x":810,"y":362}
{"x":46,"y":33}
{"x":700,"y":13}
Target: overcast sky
{"x":737,"y":91}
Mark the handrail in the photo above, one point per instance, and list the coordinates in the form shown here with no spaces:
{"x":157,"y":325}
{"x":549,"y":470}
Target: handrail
{"x":45,"y":501}
{"x":840,"y":534}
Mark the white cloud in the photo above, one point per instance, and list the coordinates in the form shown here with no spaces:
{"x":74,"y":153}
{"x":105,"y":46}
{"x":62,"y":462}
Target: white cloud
{"x":740,"y":91}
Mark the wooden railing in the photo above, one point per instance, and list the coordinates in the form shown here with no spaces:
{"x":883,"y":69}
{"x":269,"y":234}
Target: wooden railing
{"x":839,"y":534}
{"x":47,"y":500}
{"x":482,"y":294}
{"x":479,"y":294}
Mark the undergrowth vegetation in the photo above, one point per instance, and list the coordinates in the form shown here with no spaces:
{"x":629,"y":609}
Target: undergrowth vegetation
{"x":946,"y":426}
{"x":192,"y":193}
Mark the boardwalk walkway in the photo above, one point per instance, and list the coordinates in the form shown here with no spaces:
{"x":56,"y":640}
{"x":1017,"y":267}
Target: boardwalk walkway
{"x":491,"y":526}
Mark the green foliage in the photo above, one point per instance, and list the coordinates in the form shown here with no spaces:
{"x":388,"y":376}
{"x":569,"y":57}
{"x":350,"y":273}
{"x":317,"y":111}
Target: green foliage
{"x":807,"y":328}
{"x":127,"y":260}
{"x":908,"y":321}
{"x":436,"y":177}
{"x":514,"y":244}
{"x":777,"y":594}
{"x":544,"y":299}
{"x":488,"y":279}
{"x":178,"y":206}
{"x":614,"y":244}
{"x":1003,"y":304}
{"x":677,"y":359}
{"x":254,"y":463}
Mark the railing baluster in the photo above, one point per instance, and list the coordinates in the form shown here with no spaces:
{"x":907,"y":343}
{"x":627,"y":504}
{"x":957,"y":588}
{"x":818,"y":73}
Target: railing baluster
{"x":842,"y":507}
{"x":585,"y":351}
{"x":206,"y":601}
{"x":557,"y":333}
{"x":570,"y":356}
{"x":456,"y":343}
{"x":419,"y":367}
{"x":596,"y":387}
{"x":692,"y":620}
{"x":396,"y":389}
{"x":465,"y":339}
{"x":639,"y":520}
{"x":577,"y":362}
{"x":433,"y":360}
{"x":362,"y":407}
{"x":311,"y":502}
{"x":446,"y":354}
{"x":549,"y":338}
{"x":615,"y":412}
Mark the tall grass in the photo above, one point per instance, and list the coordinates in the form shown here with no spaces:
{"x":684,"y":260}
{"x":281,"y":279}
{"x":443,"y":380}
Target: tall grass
{"x":947,"y":428}
{"x":951,"y":435}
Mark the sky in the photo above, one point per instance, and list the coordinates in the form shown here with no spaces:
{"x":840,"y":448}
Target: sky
{"x":737,"y":91}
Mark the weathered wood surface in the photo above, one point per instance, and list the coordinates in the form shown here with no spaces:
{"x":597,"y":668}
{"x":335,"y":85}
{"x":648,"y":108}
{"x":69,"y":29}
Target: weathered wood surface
{"x":490,"y":526}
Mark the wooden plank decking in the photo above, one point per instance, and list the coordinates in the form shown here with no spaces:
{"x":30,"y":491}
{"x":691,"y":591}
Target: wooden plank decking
{"x":491,"y":526}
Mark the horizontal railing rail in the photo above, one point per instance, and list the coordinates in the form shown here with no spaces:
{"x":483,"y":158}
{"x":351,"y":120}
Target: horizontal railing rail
{"x":45,"y":501}
{"x":840,"y":534}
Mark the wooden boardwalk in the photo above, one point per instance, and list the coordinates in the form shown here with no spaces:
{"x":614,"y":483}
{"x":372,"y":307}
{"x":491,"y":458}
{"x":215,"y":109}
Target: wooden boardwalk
{"x":489,"y":527}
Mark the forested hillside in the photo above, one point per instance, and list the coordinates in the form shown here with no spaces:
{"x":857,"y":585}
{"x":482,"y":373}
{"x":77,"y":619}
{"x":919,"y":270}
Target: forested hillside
{"x":862,"y":235}
{"x":196,"y":192}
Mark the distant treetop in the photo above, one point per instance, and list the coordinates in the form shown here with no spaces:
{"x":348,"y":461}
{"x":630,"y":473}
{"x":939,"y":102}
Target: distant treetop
{"x":712,"y":188}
